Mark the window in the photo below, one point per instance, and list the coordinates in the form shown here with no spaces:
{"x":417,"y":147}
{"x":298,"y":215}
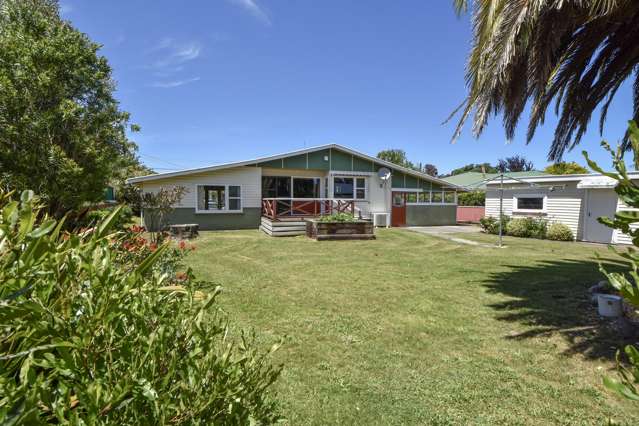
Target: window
{"x":532,"y":202}
{"x":411,"y":197}
{"x":276,"y":186}
{"x":398,"y":199}
{"x":343,"y":187}
{"x":424,"y":197}
{"x":219,"y":198}
{"x":306,"y":187}
{"x":449,"y":197}
{"x":360,"y":188}
{"x":436,"y":197}
{"x":349,"y":188}
{"x":235,"y":198}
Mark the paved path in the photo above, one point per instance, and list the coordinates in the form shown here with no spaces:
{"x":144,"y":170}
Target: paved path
{"x":446,"y":231}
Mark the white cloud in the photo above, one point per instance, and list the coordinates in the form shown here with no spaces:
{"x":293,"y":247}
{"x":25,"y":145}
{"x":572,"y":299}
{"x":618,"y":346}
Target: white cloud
{"x":176,"y":83}
{"x":254,"y":9}
{"x":175,"y":53}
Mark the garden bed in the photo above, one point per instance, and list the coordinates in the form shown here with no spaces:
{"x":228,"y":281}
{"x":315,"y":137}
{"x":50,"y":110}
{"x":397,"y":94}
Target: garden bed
{"x":353,"y":230}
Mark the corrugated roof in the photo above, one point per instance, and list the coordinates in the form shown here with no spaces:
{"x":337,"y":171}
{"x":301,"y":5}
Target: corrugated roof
{"x":477,"y":180}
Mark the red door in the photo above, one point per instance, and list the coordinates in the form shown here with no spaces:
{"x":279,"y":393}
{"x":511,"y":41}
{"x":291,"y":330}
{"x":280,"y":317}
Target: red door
{"x":398,"y":213}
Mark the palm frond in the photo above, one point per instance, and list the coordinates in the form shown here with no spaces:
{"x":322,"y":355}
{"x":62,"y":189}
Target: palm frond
{"x":573,"y":53}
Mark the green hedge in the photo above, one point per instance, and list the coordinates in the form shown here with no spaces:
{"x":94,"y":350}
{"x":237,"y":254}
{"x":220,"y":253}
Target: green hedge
{"x":527,"y":227}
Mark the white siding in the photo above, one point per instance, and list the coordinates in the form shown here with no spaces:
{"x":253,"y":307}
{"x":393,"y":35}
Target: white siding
{"x":378,"y":194}
{"x":249,"y":178}
{"x":618,"y":236}
{"x":564,"y":205}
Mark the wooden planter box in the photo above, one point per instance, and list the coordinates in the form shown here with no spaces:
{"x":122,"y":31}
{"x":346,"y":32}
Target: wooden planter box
{"x":322,"y":231}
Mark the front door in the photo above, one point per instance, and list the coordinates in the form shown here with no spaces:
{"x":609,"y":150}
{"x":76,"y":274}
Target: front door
{"x":398,"y":213}
{"x":600,"y":202}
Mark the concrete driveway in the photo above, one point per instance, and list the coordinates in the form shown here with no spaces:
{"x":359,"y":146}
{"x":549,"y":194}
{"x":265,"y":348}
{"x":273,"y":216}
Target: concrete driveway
{"x":446,"y":232}
{"x":442,"y":230}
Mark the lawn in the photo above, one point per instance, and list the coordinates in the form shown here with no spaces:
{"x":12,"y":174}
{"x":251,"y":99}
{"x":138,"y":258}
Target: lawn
{"x":411,"y":329}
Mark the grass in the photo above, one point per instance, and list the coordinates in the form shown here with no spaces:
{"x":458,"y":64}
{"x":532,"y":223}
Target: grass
{"x":411,"y":329}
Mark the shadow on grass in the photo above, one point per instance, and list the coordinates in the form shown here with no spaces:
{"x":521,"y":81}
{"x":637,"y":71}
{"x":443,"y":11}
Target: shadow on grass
{"x":551,"y":297}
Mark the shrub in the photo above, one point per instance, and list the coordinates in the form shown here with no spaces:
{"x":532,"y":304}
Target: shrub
{"x":338,"y":217}
{"x":559,"y":232}
{"x":91,"y":337}
{"x":490,"y":224}
{"x":527,"y":227}
{"x":474,"y":198}
{"x":94,"y":216}
{"x":518,"y":228}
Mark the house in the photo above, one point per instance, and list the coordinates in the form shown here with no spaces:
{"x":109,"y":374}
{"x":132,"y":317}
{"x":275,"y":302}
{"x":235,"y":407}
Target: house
{"x":476,"y":181}
{"x":574,"y":200}
{"x":279,"y":191}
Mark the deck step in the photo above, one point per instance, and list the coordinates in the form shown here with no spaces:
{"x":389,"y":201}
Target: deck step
{"x":283,"y":228}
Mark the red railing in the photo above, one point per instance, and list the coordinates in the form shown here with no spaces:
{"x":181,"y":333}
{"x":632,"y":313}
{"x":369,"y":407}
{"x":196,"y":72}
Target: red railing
{"x":276,"y":208}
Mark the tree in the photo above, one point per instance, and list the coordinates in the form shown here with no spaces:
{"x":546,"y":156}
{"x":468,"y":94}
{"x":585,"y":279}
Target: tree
{"x":157,"y":206}
{"x":474,"y":198}
{"x":430,"y":169}
{"x":626,"y":284}
{"x":395,"y":156}
{"x":575,"y":53}
{"x":514,"y":164}
{"x":127,"y":193}
{"x":483,"y":168}
{"x":61,"y":130}
{"x":563,"y":168}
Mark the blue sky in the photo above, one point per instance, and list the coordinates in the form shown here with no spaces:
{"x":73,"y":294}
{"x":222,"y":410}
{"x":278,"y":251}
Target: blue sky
{"x":212,"y":81}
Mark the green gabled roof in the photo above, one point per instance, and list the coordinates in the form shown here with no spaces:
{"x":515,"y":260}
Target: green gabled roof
{"x":346,"y":159}
{"x":477,"y":180}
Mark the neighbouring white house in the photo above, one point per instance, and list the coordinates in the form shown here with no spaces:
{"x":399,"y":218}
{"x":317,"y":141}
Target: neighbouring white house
{"x":278,"y":192}
{"x":574,"y":200}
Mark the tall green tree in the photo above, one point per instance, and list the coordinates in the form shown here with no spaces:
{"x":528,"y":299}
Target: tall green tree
{"x":62,"y":132}
{"x":563,"y":168}
{"x":395,"y":156}
{"x":472,"y":167}
{"x":515,"y":163}
{"x":574,"y":53}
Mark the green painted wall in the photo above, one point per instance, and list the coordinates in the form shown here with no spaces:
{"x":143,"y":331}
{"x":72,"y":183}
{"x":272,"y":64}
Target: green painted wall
{"x":411,"y":182}
{"x":362,"y":165}
{"x":341,"y":160}
{"x":248,"y":219}
{"x":316,"y":160}
{"x":431,"y":215}
{"x":275,"y":164}
{"x":397,"y":179}
{"x":296,"y":162}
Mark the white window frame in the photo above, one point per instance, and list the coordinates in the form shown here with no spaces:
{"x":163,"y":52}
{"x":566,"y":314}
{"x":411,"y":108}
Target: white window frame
{"x":542,"y":211}
{"x":430,"y":197}
{"x":355,"y":187}
{"x":227,"y":197}
{"x":305,"y":177}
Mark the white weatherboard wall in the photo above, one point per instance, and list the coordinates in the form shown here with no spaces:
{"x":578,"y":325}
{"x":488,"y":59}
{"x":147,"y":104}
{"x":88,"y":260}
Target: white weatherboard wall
{"x":620,"y":237}
{"x":378,"y":193}
{"x":249,"y":178}
{"x":562,"y":205}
